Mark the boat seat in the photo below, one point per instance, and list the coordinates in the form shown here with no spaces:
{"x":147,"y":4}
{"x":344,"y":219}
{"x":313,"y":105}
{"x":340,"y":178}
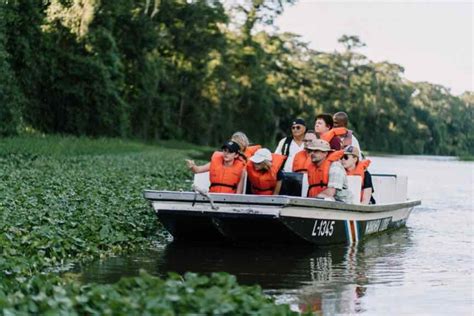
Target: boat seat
{"x":389,"y":188}
{"x":201,"y":180}
{"x":354,"y":186}
{"x":294,"y":184}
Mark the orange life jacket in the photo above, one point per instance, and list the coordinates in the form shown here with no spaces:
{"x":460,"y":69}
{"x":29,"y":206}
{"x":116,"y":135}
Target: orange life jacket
{"x":301,"y":160}
{"x":224,"y":179}
{"x":329,"y":135}
{"x":318,"y":176}
{"x":250,"y":150}
{"x":359,"y":170}
{"x":263,"y":183}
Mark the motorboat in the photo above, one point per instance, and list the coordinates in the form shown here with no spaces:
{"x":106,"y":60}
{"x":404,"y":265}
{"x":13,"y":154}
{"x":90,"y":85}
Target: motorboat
{"x":291,"y":217}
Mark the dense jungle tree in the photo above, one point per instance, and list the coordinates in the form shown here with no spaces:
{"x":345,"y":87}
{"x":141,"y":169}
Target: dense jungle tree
{"x":11,"y":98}
{"x":198,"y":70}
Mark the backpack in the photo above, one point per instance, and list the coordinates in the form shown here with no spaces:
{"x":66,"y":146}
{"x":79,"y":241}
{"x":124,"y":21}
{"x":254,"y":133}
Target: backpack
{"x":285,"y":149}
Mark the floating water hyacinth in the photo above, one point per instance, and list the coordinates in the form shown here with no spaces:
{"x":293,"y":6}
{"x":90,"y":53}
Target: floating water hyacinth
{"x":71,"y":200}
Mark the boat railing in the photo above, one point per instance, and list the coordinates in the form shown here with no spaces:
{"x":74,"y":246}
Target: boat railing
{"x":294,"y":184}
{"x":388,"y":188}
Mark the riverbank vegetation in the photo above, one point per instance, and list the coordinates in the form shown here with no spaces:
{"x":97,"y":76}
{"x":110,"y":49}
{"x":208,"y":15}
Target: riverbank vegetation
{"x":68,"y":200}
{"x":199,"y":70}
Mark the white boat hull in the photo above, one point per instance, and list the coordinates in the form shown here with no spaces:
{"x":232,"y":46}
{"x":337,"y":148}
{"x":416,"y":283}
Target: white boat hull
{"x":249,"y":218}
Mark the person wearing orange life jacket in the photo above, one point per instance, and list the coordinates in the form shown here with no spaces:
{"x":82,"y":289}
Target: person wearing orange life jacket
{"x":323,"y":126}
{"x":302,"y":158}
{"x":326,"y":176}
{"x":251,"y":150}
{"x":335,"y":132}
{"x":347,"y":138}
{"x":264,"y":172}
{"x":246,"y":150}
{"x":355,"y":167}
{"x":225,"y":169}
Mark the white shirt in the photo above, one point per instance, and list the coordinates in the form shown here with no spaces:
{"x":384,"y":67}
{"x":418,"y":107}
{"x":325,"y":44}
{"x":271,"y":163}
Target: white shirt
{"x":294,"y":149}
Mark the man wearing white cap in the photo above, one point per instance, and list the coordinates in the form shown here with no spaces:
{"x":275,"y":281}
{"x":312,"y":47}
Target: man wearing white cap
{"x":264,"y":172}
{"x":326,"y":176}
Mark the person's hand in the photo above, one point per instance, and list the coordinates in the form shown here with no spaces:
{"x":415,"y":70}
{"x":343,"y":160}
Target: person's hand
{"x":191,"y":164}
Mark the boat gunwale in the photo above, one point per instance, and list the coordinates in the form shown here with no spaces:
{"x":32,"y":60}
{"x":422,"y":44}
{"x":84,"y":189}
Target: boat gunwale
{"x":283,"y":201}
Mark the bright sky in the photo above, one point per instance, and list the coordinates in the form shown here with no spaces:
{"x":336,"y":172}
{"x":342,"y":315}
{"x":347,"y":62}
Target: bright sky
{"x":432,"y":40}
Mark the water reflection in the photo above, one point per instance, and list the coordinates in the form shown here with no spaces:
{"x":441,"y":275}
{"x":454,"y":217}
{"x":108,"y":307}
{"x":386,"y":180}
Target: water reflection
{"x":277,"y":267}
{"x":323,"y":280}
{"x":340,"y":286}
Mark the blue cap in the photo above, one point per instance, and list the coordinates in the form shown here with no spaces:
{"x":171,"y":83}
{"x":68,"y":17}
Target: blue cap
{"x":233,"y":147}
{"x":299,"y":121}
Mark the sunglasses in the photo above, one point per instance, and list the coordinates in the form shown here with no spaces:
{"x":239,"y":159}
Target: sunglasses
{"x":296,"y":127}
{"x":346,"y":157}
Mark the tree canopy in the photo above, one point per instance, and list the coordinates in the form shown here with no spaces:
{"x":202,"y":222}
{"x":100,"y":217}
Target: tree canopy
{"x":198,"y":71}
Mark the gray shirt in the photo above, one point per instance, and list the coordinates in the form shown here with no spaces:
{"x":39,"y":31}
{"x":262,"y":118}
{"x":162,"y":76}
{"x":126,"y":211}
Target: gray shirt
{"x":338,"y":181}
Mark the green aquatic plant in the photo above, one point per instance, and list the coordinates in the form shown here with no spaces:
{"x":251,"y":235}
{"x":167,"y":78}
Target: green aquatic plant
{"x":83,"y":201}
{"x":62,"y":208}
{"x":191,"y":294}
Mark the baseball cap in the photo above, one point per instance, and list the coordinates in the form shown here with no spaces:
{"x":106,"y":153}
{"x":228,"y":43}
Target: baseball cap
{"x":261,"y":155}
{"x":352,"y":150}
{"x":299,"y":121}
{"x":318,"y":144}
{"x":233,"y":147}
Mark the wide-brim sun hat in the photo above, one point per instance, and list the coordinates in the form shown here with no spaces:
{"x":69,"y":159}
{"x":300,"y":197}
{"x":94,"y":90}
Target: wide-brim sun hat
{"x":319,"y":144}
{"x":261,"y":155}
